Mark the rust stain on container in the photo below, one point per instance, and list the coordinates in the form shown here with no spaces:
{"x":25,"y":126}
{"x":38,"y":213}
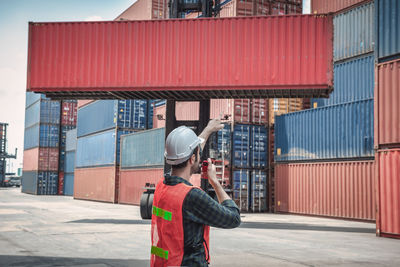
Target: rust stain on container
{"x":335,"y":189}
{"x":100,"y":184}
{"x":387,"y":108}
{"x":388,"y":193}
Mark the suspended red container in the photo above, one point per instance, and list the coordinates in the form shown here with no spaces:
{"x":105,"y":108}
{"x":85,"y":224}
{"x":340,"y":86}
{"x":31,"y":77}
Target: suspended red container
{"x":388,"y":193}
{"x":243,"y":57}
{"x":334,"y":189}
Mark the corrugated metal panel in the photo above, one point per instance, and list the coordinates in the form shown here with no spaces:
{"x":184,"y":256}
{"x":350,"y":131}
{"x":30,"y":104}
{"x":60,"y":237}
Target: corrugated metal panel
{"x":70,"y":143}
{"x":258,"y":202}
{"x":133,"y":181}
{"x":143,"y":149}
{"x":129,"y":114}
{"x":113,"y":69}
{"x":354,"y":32}
{"x":241,"y":146}
{"x":388,"y":20}
{"x":388,"y":220}
{"x":221,"y":107}
{"x":328,"y":6}
{"x":387,"y":108}
{"x":337,"y":189}
{"x":332,"y":132}
{"x":68,"y":113}
{"x":40,"y":183}
{"x":96,"y":184}
{"x":41,"y":158}
{"x":99,"y":149}
{"x":42,"y":135}
{"x":31,"y":98}
{"x":353,"y":79}
{"x":42,"y":112}
{"x":187,"y":111}
{"x":68,"y":184}
{"x":259,"y":111}
{"x":242,"y":110}
{"x":69,"y":162}
{"x":241,"y":193}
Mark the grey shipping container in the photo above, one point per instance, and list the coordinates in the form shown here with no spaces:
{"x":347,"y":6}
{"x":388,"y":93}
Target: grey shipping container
{"x":387,"y":14}
{"x":39,"y":183}
{"x":31,"y":98}
{"x":100,"y":149}
{"x":354,"y":32}
{"x":70,"y":143}
{"x":353,"y":80}
{"x":143,"y":149}
{"x":342,"y":131}
{"x":44,"y":111}
{"x":68,"y":184}
{"x":69,"y":164}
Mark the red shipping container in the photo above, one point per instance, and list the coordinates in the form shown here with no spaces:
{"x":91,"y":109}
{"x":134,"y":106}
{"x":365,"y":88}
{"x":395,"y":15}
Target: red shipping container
{"x":328,"y":6}
{"x":118,"y":59}
{"x":335,"y":189}
{"x":41,"y":159}
{"x":99,"y":184}
{"x":387,"y":107}
{"x":61,"y":183}
{"x":82,"y":103}
{"x":242,"y":110}
{"x":159,"y":123}
{"x":259,"y":111}
{"x":68,"y":113}
{"x":388,"y":193}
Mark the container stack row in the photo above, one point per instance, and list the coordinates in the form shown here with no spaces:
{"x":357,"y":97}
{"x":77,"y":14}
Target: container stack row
{"x":324,"y":156}
{"x":387,"y":117}
{"x":41,"y":145}
{"x":97,"y":159}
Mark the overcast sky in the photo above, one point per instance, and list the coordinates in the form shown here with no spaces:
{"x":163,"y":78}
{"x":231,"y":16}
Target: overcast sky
{"x":14,"y":18}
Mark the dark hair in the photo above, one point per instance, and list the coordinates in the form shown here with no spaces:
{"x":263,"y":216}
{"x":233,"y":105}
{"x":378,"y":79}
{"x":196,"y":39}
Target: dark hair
{"x":184,"y":164}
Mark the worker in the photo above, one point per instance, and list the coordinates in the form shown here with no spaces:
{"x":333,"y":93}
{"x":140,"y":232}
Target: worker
{"x":182,"y":213}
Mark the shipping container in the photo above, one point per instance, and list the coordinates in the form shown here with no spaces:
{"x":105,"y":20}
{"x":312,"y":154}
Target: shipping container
{"x":242,"y":113}
{"x":328,"y":6}
{"x":69,"y":184}
{"x":144,"y":73}
{"x":143,"y":149}
{"x":32,"y":98}
{"x":340,"y":131}
{"x":128,"y":114}
{"x":241,"y":146}
{"x":259,"y":146}
{"x":42,"y":112}
{"x":388,"y":193}
{"x":100,"y":184}
{"x":133,"y":182}
{"x":236,"y":8}
{"x":259,"y":191}
{"x":81,"y":103}
{"x":259,"y":111}
{"x":387,"y":18}
{"x":279,"y":106}
{"x":353,"y":79}
{"x":39,"y":183}
{"x":69,"y":164}
{"x":41,"y":159}
{"x":63,"y":142}
{"x":220,"y":143}
{"x":60,"y":190}
{"x":146,"y":10}
{"x":68,"y":113}
{"x":387,"y":108}
{"x":70,"y":143}
{"x":354,"y":32}
{"x":100,"y":149}
{"x":336,"y":189}
{"x":241,"y":191}
{"x":43,"y":135}
{"x":159,"y":116}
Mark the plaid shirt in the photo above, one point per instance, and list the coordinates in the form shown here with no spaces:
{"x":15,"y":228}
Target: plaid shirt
{"x":200,"y":209}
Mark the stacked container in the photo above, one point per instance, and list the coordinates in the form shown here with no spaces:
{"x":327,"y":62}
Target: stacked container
{"x":69,"y":163}
{"x":387,"y":117}
{"x":329,"y":148}
{"x":41,"y":145}
{"x":100,"y":127}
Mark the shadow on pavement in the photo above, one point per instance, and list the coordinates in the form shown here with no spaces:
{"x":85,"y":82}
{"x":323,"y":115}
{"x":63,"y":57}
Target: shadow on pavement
{"x":112,"y":221}
{"x":306,"y":227}
{"x":8,"y":260}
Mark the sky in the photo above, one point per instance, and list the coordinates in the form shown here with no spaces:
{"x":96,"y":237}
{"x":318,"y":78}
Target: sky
{"x":14,"y":18}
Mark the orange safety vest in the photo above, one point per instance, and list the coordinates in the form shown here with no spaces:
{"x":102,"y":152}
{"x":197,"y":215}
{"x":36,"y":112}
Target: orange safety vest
{"x":167,"y":234}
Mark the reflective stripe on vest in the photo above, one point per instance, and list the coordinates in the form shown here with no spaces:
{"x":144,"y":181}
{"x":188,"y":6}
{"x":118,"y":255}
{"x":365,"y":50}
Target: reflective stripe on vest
{"x":159,"y":252}
{"x":166,"y":215}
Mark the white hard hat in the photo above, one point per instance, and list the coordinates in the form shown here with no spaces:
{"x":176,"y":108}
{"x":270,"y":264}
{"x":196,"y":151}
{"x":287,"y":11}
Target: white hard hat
{"x":180,"y":144}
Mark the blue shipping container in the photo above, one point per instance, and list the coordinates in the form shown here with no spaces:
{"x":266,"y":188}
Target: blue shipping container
{"x":68,"y":184}
{"x":241,"y":182}
{"x":100,"y":149}
{"x":63,"y":141}
{"x":354,"y":32}
{"x":106,"y":114}
{"x":31,"y":98}
{"x":259,"y":146}
{"x":353,"y":80}
{"x":333,"y":132}
{"x":44,"y":111}
{"x":143,"y":149}
{"x":69,"y":164}
{"x":258,"y":194}
{"x":387,"y":14}
{"x":70,"y":142}
{"x":220,"y":143}
{"x":241,"y":146}
{"x":45,"y":135}
{"x":40,"y":183}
